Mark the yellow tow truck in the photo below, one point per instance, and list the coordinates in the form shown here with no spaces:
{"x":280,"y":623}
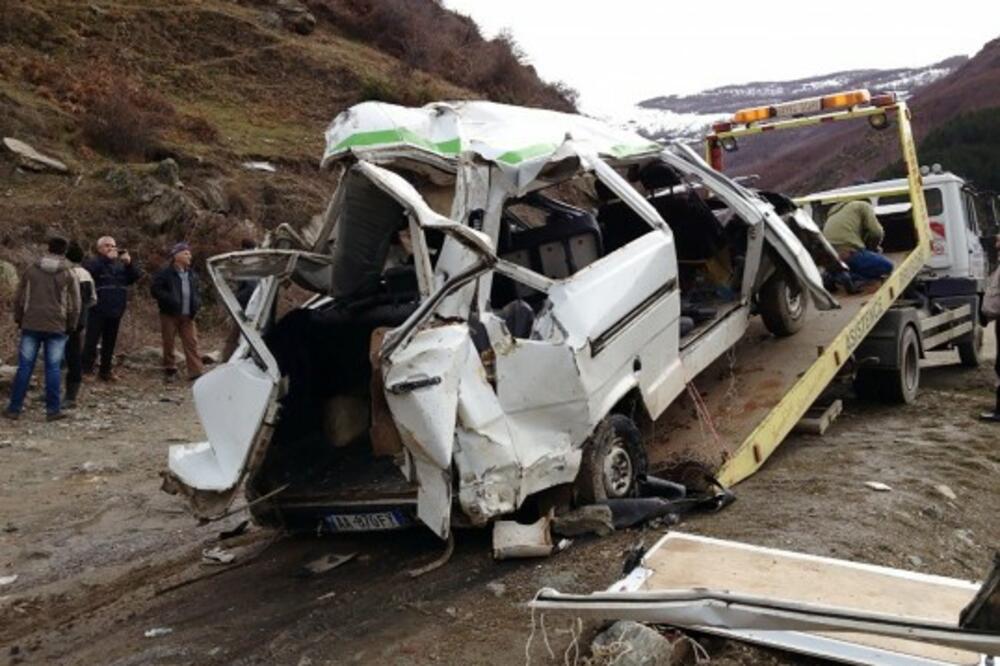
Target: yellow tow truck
{"x":740,"y":411}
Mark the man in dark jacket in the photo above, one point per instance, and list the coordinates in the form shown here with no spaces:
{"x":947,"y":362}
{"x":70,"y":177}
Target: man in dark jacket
{"x":175,"y":289}
{"x":46,"y":308}
{"x":113,"y":272}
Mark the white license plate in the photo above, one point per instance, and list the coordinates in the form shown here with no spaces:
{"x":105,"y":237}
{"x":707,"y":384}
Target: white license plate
{"x":366,"y":522}
{"x":798,"y":107}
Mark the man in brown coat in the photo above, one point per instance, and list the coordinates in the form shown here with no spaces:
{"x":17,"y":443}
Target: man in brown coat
{"x":47,"y":309}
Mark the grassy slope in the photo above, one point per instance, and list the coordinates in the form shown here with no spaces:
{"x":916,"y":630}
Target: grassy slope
{"x":260,"y":92}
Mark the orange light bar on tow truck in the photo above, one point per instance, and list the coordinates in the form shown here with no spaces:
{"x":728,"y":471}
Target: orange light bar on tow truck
{"x":802,"y":107}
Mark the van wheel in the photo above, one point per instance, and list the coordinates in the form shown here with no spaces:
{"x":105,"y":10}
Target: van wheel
{"x":782,"y":304}
{"x":969,"y":352}
{"x":613,"y":462}
{"x":897,"y":385}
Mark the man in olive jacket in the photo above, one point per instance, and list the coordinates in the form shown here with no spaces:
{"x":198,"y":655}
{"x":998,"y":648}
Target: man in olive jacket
{"x":855,"y":232}
{"x":47,"y":309}
{"x":175,"y":288}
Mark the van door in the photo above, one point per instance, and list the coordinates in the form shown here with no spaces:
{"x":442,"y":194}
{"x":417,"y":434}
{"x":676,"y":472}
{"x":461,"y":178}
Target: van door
{"x":237,"y":401}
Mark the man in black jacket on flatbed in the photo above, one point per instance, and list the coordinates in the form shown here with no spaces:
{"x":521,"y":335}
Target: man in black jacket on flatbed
{"x":113,"y":273}
{"x":175,"y":289}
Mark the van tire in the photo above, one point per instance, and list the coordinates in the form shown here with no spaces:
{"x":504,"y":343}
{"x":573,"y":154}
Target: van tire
{"x":970,"y":351}
{"x":782,"y":303}
{"x":613,"y":462}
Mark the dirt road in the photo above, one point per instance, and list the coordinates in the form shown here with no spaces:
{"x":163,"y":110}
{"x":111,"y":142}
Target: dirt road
{"x":102,"y":556}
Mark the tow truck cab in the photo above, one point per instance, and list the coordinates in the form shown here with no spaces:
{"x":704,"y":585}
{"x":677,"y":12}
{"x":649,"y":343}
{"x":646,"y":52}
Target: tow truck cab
{"x":963,"y":223}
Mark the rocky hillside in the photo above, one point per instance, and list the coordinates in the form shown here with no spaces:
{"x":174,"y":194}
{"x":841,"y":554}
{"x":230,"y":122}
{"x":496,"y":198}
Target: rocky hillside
{"x":687,"y":116}
{"x":839,"y":154}
{"x":203,"y":119}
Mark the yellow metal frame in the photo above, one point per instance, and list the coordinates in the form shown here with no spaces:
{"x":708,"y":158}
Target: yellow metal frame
{"x":769,"y":434}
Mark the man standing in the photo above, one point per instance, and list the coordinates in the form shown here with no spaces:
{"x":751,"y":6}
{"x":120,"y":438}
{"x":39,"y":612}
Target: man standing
{"x":46,"y":308}
{"x":175,"y":289}
{"x":74,"y":345}
{"x":113,"y":272}
{"x":854,"y":231}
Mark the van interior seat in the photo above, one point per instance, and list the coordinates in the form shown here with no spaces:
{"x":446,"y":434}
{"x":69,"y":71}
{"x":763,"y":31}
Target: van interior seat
{"x":569,"y":241}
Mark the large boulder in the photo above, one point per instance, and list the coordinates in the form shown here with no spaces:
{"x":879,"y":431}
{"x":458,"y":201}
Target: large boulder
{"x":627,"y":643}
{"x":29,"y":158}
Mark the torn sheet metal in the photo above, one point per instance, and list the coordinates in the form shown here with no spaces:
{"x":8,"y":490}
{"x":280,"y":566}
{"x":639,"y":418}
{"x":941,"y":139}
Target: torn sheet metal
{"x":846,"y":611}
{"x":514,"y":540}
{"x":517,"y":140}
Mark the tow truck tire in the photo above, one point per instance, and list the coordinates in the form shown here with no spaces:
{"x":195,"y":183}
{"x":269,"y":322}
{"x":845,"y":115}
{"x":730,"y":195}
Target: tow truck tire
{"x":898,"y":385}
{"x":782,"y":304}
{"x":969,"y":352}
{"x":613,"y":462}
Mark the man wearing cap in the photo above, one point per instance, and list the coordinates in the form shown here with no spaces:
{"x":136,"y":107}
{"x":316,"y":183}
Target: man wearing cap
{"x":46,"y":309}
{"x":175,"y":288}
{"x":113,"y":273}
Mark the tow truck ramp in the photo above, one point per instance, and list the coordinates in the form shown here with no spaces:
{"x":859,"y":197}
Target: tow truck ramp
{"x":741,"y":408}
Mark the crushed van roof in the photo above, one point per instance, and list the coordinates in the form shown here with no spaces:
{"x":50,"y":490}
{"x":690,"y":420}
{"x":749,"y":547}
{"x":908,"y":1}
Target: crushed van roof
{"x":512,"y":137}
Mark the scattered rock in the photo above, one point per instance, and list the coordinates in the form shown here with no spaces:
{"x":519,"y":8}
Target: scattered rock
{"x":29,"y":158}
{"x":965,"y":536}
{"x":8,"y":280}
{"x":594,"y":518}
{"x":627,"y":643}
{"x":498,"y":589}
{"x":158,"y":631}
{"x":212,"y":194}
{"x":946,"y":491}
{"x":878,"y":486}
{"x":451,"y":611}
{"x":217,"y":555}
{"x":296,"y":16}
{"x":7,"y":580}
{"x":915,"y":560}
{"x":91,"y":467}
{"x":272,"y":20}
{"x":168,"y":173}
{"x":260,"y":166}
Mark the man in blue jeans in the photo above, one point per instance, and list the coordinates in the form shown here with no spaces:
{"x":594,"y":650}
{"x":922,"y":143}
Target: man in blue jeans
{"x":46,"y":308}
{"x":854,"y":231}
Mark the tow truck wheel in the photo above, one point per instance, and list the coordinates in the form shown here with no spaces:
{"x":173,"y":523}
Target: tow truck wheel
{"x":897,"y":385}
{"x":969,"y":352}
{"x":613,"y":461}
{"x":782,"y":304}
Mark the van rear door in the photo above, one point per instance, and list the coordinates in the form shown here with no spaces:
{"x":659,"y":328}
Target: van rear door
{"x":237,"y":402}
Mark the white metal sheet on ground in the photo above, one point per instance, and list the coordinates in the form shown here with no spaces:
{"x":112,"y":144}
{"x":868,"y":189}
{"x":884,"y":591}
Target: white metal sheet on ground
{"x":682,"y":561}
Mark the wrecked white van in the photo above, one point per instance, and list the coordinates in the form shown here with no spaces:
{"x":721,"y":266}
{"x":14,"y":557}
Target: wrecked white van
{"x":496,"y":290}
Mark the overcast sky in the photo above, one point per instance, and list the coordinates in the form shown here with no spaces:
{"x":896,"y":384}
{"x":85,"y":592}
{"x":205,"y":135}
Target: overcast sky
{"x":622,"y":51}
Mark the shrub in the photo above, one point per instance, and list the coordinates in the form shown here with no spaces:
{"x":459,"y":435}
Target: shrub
{"x":424,"y":35}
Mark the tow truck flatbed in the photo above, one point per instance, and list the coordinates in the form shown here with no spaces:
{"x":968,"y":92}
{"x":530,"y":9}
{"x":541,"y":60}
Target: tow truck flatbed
{"x":743,"y":390}
{"x":750,"y":400}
